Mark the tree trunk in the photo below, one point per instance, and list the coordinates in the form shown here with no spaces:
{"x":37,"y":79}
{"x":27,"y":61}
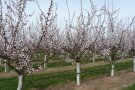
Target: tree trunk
{"x":78,"y":74}
{"x":83,"y":56}
{"x":112,"y":70}
{"x":122,"y":57}
{"x":20,"y":82}
{"x":45,"y":64}
{"x":6,"y":67}
{"x":0,"y":62}
{"x":68,"y":56}
{"x":134,"y":63}
{"x":50,"y":55}
{"x":93,"y":57}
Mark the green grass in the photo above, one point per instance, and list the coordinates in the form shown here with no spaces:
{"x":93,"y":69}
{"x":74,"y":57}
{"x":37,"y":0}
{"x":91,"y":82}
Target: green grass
{"x":45,"y":80}
{"x":88,"y":59}
{"x":41,"y":58}
{"x":8,"y":84}
{"x":58,"y":64}
{"x":49,"y":79}
{"x":105,"y":69}
{"x":37,"y":81}
{"x":1,"y":69}
{"x":132,"y":87}
{"x":61,"y":63}
{"x":55,"y":64}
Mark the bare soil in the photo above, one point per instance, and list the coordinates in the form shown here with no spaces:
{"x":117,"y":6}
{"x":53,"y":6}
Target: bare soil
{"x":121,"y":79}
{"x":58,"y":69}
{"x":53,"y":70}
{"x":8,"y":74}
{"x":118,"y":82}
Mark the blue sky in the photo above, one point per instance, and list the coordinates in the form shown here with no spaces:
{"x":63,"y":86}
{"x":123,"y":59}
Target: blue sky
{"x":126,"y":7}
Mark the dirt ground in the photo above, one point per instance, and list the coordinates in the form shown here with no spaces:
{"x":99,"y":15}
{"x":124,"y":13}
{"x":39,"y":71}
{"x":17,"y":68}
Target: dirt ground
{"x":121,"y":79}
{"x":58,"y":69}
{"x":118,"y":82}
{"x":52,"y":70}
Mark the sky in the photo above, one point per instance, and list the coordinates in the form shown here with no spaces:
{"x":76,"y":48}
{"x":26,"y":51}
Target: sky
{"x":126,"y":7}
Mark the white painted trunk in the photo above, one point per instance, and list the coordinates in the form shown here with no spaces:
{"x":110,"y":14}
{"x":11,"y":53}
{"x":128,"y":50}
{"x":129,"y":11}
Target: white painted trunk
{"x":112,"y":70}
{"x":122,"y":57}
{"x":50,"y":55}
{"x":83,"y":56}
{"x":110,"y":58}
{"x":134,"y":64}
{"x":45,"y":64}
{"x":6,"y":68}
{"x":20,"y":82}
{"x":78,"y":74}
{"x":72,"y":63}
{"x":93,"y":57}
{"x":68,"y":57}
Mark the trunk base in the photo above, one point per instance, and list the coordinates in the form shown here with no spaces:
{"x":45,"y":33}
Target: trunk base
{"x":20,"y":82}
{"x":78,"y":74}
